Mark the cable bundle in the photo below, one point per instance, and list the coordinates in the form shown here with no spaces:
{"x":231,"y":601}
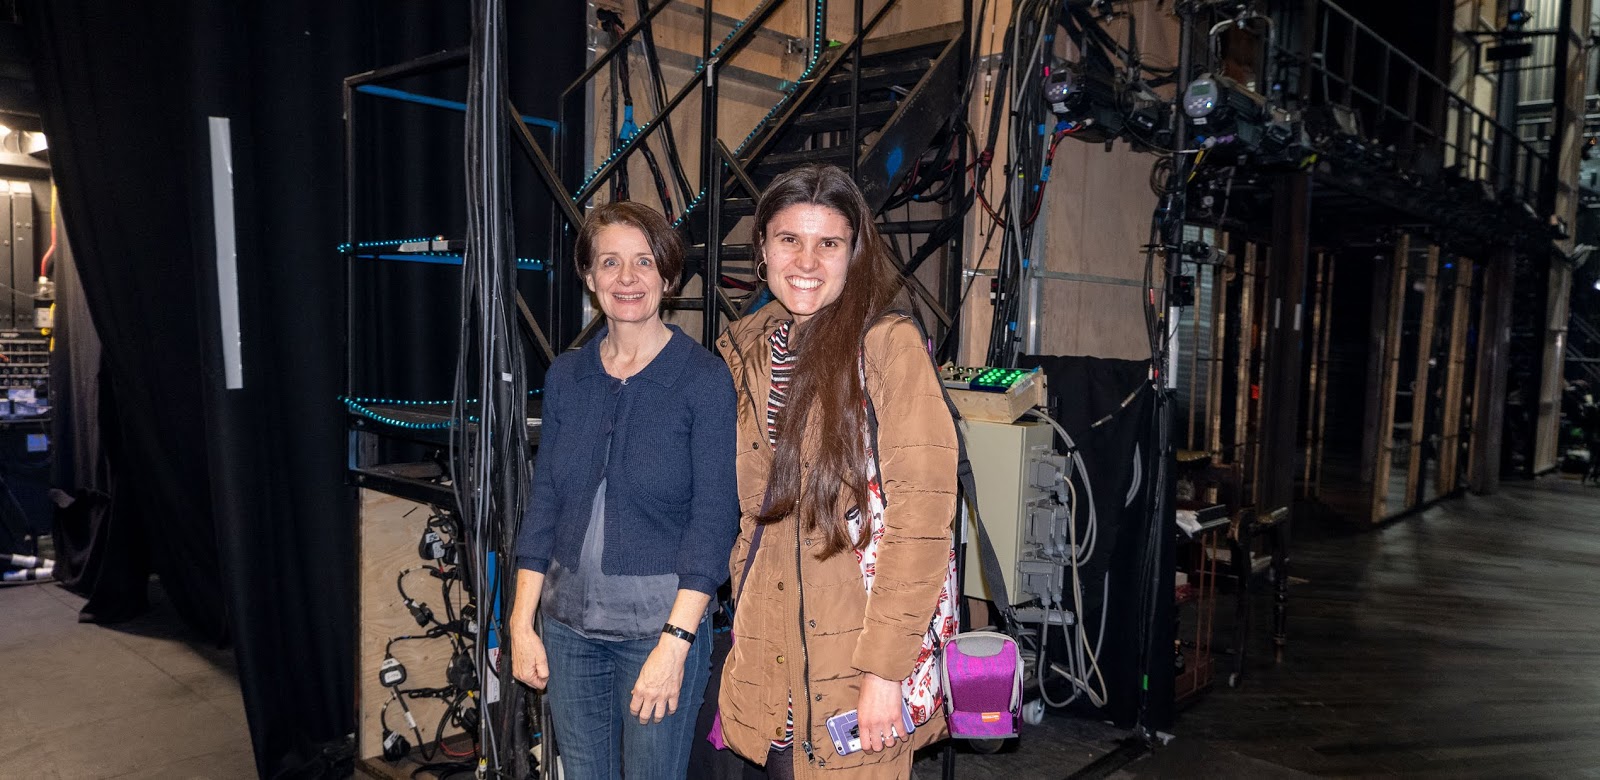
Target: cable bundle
{"x":490,"y":470}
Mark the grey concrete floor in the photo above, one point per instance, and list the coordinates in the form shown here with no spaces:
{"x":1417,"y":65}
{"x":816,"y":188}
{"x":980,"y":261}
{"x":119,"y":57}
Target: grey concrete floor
{"x":135,"y":700}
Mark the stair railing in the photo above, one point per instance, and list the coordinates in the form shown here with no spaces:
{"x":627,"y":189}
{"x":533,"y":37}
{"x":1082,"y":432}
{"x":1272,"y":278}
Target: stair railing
{"x":720,"y":166}
{"x":1403,"y":103}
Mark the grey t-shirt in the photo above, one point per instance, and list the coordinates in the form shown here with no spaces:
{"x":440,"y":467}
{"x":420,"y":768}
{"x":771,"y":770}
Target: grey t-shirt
{"x":597,"y":605}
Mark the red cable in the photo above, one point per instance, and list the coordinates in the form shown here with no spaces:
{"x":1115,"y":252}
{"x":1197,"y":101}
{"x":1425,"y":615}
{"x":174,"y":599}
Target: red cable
{"x":445,"y":746}
{"x":981,"y":199}
{"x":1049,"y":160}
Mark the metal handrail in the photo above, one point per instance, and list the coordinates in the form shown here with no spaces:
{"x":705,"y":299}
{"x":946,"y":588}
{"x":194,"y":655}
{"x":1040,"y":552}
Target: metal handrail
{"x":622,"y":44}
{"x":741,"y":36}
{"x":1475,"y":134}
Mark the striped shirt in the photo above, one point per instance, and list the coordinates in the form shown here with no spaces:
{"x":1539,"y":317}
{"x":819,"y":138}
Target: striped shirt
{"x":782,"y":371}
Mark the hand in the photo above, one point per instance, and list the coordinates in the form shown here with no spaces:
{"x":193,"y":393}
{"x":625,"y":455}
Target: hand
{"x":879,"y":713}
{"x":528,"y":661}
{"x":655,"y":693}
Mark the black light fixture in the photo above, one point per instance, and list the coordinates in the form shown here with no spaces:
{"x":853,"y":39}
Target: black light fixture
{"x":1221,"y":111}
{"x":1086,"y":99}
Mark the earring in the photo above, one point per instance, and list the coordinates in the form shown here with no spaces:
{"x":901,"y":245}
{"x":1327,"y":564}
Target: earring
{"x":761,"y":269}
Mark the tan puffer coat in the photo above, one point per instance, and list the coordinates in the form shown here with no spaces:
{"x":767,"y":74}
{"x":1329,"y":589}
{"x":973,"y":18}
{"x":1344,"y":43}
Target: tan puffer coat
{"x":843,"y":632}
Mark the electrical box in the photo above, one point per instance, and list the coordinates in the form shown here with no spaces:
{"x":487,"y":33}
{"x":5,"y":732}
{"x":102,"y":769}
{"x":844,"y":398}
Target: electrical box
{"x":1005,"y":457}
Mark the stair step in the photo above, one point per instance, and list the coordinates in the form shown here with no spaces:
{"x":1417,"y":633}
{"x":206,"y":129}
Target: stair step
{"x":898,"y":74}
{"x":776,"y":163}
{"x":873,"y":115}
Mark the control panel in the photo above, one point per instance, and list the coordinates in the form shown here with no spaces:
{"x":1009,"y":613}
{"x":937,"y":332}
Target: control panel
{"x":993,"y":394}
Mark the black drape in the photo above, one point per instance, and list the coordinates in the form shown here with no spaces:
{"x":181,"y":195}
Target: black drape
{"x":1117,"y":455}
{"x":116,"y":125}
{"x":239,"y":494}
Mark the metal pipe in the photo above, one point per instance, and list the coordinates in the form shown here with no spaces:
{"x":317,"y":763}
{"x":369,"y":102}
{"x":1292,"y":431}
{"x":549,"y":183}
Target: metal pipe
{"x":738,"y":171}
{"x":658,"y":95}
{"x":546,"y":171}
{"x":1559,"y":117}
{"x":1507,"y":85}
{"x":855,"y":91}
{"x":620,"y":45}
{"x":349,"y":240}
{"x":740,"y":38}
{"x":429,"y":100}
{"x":711,"y":160}
{"x":427,"y":63}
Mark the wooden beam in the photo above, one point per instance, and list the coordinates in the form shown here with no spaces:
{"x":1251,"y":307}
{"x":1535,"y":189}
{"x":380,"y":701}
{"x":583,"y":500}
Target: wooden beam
{"x":1241,"y":416}
{"x":1222,"y":276}
{"x":1489,"y":393}
{"x":1387,"y":384}
{"x":1450,"y":437}
{"x":1315,"y":400}
{"x":1419,"y":389}
{"x":1322,"y":383}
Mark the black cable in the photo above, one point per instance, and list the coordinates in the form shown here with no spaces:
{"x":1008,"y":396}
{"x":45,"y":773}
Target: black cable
{"x":658,"y":93}
{"x":490,"y":469}
{"x":443,"y":770}
{"x":625,"y":78}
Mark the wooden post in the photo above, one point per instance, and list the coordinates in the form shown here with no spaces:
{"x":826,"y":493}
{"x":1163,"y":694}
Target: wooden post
{"x":1223,"y":275}
{"x":1241,"y":417}
{"x":1389,"y":339}
{"x":1450,"y":437}
{"x":1322,"y":385}
{"x":1315,"y":399}
{"x":1489,"y":398}
{"x":1419,"y":390}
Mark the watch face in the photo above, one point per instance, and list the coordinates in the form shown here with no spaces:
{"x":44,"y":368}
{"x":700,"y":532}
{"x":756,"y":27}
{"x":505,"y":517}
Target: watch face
{"x":1201,"y":98}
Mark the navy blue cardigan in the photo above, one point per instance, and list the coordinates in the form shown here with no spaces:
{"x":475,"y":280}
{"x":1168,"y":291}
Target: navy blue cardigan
{"x":671,"y":495}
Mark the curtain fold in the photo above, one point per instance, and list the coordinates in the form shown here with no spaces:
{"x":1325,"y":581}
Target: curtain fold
{"x":236,"y":498}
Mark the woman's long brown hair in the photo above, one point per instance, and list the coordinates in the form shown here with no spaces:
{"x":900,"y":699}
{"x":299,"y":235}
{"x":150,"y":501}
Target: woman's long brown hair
{"x":825,"y":390}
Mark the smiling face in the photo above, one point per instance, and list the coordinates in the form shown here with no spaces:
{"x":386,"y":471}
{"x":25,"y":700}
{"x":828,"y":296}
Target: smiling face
{"x":623,"y":275}
{"x":807,"y":249}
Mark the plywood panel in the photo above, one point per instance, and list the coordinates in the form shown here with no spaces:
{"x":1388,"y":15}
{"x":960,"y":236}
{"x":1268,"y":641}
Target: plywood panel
{"x":389,"y":531}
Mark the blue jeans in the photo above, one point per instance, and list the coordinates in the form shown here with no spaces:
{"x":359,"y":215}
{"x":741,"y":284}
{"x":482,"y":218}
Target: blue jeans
{"x":591,"y":685}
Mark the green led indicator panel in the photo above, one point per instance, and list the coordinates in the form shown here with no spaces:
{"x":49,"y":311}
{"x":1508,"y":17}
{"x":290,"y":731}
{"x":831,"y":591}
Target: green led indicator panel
{"x":999,"y":380}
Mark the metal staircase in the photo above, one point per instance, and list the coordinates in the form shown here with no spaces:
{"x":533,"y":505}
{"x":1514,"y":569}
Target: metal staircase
{"x":873,"y":105}
{"x":909,"y":90}
{"x":1583,"y":349}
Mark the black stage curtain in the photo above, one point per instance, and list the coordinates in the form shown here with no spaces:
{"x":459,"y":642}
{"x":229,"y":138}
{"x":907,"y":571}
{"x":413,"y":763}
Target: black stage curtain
{"x":1117,"y":455}
{"x":238,"y":495}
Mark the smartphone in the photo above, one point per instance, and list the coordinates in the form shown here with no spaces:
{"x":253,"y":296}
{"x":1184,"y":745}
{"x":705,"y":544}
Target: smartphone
{"x":846,"y":735}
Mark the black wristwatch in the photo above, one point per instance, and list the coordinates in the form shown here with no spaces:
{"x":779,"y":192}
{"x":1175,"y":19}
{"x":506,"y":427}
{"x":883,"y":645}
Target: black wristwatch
{"x":687,"y":636}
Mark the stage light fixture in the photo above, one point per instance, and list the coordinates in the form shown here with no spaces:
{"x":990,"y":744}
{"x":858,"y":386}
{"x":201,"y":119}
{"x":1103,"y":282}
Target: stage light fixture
{"x":1200,"y":99}
{"x":1216,"y":103}
{"x":1086,"y":99}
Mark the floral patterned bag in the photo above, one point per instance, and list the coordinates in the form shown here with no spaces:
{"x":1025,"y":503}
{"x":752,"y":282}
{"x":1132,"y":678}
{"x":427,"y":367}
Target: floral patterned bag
{"x":923,"y":690}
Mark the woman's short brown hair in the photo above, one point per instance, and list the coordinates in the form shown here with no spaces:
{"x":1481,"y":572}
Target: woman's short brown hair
{"x":664,"y":242}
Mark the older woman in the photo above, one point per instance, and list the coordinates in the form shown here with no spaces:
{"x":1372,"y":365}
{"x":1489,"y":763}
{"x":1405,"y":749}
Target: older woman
{"x":844,"y":567}
{"x":632,"y":517}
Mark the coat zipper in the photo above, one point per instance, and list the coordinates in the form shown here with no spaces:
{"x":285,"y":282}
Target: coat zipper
{"x":805,"y":652}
